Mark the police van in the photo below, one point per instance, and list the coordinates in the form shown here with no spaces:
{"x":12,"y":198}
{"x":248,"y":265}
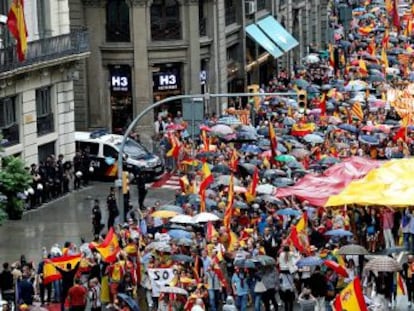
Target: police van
{"x":102,"y":149}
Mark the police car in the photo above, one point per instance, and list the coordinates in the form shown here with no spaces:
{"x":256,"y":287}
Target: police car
{"x":102,"y":149}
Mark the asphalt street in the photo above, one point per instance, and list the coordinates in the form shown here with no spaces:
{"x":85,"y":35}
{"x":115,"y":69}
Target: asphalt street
{"x":65,"y":219}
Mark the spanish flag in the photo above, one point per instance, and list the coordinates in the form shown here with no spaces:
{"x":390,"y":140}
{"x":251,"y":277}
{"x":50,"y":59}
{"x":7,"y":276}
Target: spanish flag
{"x":372,"y":48}
{"x":389,"y":6}
{"x":356,"y":110}
{"x":273,"y":140}
{"x":322,"y":104}
{"x":207,"y":178}
{"x":175,"y":146}
{"x":366,"y":30}
{"x":202,"y":200}
{"x":211,"y":231}
{"x":50,"y":273}
{"x":251,"y":191}
{"x":206,"y":141}
{"x":234,"y":160}
{"x":385,"y":39}
{"x":299,"y":236}
{"x":395,"y":15}
{"x":401,"y":286}
{"x":17,"y":26}
{"x":109,"y":248}
{"x":228,"y":214}
{"x":363,"y":67}
{"x":185,"y":185}
{"x":384,"y":58}
{"x":331,"y":56}
{"x":350,"y":298}
{"x":409,"y":28}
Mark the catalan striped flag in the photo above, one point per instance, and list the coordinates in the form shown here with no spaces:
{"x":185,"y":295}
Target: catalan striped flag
{"x":357,"y":111}
{"x":16,"y":23}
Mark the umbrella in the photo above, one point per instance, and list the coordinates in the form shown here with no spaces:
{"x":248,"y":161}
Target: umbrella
{"x":348,"y":127}
{"x":206,"y":154}
{"x":285,"y":158}
{"x":328,"y":161}
{"x":205,"y":217}
{"x":340,"y":270}
{"x":194,"y":198}
{"x":352,"y":249}
{"x":221,"y":130}
{"x":376,"y":78}
{"x":271,"y":173}
{"x":310,"y":261}
{"x":301,"y":83}
{"x":179,"y":234}
{"x":300,"y":153}
{"x":289,"y":121}
{"x":288,"y":212}
{"x":172,"y":208}
{"x":229,"y":120}
{"x":182,"y":219}
{"x":245,"y":264}
{"x":339,"y":232}
{"x":184,"y":242}
{"x":247,"y":168}
{"x":313,"y":139}
{"x":133,"y":305}
{"x":272,"y":200}
{"x":265,"y":189}
{"x":164,"y":214}
{"x":159,"y":246}
{"x":225,"y":180}
{"x":311,"y":59}
{"x":250,"y":149}
{"x":295,"y":165}
{"x":264,"y":260}
{"x":221,"y":169}
{"x":240,"y":205}
{"x":182,"y":258}
{"x":173,"y":290}
{"x":384,"y":264}
{"x":369,"y":140}
{"x":283,"y":182}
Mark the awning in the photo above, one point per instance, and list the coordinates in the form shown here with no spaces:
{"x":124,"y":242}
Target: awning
{"x":279,"y":35}
{"x":257,"y":35}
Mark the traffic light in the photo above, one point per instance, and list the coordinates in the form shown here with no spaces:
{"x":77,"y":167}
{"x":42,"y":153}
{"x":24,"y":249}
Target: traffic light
{"x":302,"y":100}
{"x":254,"y":101}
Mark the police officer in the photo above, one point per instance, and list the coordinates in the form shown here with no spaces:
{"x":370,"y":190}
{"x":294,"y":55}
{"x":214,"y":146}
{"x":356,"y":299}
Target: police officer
{"x":96,"y":218}
{"x":142,"y":190}
{"x":112,"y":207}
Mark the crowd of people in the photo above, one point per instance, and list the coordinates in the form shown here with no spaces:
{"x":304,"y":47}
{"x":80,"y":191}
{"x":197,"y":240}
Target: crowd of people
{"x":225,"y":244}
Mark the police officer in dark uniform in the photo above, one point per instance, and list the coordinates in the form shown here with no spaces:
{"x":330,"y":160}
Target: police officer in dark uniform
{"x":96,"y":218}
{"x":112,"y":207}
{"x":142,"y":190}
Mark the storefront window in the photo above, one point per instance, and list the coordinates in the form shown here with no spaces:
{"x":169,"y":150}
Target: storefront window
{"x":9,"y":127}
{"x":121,"y":99}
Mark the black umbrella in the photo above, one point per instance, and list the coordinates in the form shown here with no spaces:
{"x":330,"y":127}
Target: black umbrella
{"x":247,"y":168}
{"x":272,"y":173}
{"x":283,"y":182}
{"x":133,"y":305}
{"x":207,"y":154}
{"x":271,"y":199}
{"x":221,"y":169}
{"x":182,"y":258}
{"x":375,"y":78}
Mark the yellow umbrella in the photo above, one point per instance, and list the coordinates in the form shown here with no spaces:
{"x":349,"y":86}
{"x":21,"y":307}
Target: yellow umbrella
{"x":164,"y":214}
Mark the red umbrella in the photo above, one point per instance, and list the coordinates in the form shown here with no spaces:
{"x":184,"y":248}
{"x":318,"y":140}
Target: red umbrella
{"x":340,"y":270}
{"x":205,"y":128}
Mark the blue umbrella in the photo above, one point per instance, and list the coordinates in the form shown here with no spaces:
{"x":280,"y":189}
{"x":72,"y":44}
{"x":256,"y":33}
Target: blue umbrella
{"x":179,"y":234}
{"x":348,"y":127}
{"x":182,"y":258}
{"x":264,"y":131}
{"x":339,"y":232}
{"x":310,"y":261}
{"x":133,"y":305}
{"x":240,"y":205}
{"x":288,"y":212}
{"x":281,"y":148}
{"x":313,"y":139}
{"x":250,"y":149}
{"x":369,"y":140}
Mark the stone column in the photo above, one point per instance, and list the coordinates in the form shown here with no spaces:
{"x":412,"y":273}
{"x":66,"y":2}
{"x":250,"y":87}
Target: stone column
{"x":98,"y":103}
{"x":141,"y":75}
{"x":192,"y":23}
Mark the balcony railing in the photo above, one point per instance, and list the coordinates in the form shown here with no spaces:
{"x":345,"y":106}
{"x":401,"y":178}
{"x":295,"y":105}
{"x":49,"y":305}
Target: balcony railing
{"x":46,"y":49}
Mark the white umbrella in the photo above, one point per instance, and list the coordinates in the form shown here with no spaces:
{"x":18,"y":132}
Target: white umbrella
{"x":311,"y":59}
{"x":205,"y":217}
{"x":182,"y":219}
{"x":173,"y":290}
{"x":265,"y":189}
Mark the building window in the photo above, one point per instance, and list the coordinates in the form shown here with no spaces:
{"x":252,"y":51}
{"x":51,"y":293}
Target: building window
{"x":165,"y":20}
{"x":45,"y":120}
{"x":9,"y":127}
{"x":43,"y":21}
{"x":117,"y":21}
{"x":230,"y":12}
{"x":202,"y":19}
{"x":46,"y":150}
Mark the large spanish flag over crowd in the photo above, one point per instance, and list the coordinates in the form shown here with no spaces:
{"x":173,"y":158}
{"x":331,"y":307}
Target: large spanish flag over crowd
{"x":50,"y":273}
{"x":17,"y":26}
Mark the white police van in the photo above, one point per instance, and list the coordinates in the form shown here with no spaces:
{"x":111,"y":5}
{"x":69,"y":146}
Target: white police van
{"x":103,"y":149}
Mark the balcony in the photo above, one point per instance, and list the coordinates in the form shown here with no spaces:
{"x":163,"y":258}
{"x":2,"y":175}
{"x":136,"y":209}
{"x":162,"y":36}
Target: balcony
{"x":230,"y":16}
{"x":261,"y":4}
{"x":46,"y":50}
{"x":170,"y":30}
